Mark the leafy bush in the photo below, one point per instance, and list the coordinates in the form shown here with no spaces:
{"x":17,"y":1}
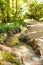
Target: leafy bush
{"x":6,"y":27}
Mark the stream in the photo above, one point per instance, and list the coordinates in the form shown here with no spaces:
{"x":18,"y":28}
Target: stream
{"x":35,"y":32}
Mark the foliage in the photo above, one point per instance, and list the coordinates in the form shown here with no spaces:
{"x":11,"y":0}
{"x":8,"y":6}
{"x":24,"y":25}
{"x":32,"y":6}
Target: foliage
{"x":5,"y":10}
{"x":6,"y":27}
{"x":11,"y":10}
{"x":8,"y":13}
{"x":9,"y":58}
{"x":35,"y":10}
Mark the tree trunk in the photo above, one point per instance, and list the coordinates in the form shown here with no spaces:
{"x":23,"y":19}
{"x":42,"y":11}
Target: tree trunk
{"x":16,"y":6}
{"x":8,"y":17}
{"x":3,"y":18}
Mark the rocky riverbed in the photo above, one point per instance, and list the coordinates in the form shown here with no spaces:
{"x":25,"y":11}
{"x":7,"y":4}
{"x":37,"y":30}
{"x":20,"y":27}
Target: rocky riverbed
{"x":24,"y":45}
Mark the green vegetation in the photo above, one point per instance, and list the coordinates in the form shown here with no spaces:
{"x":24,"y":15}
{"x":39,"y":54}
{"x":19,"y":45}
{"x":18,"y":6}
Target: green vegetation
{"x":6,"y":27}
{"x":12,"y":10}
{"x":9,"y":58}
{"x":35,"y":11}
{"x":7,"y":13}
{"x":11,"y":13}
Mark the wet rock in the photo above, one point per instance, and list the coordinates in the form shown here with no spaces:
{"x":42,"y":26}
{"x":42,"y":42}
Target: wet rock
{"x":40,"y":44}
{"x":35,"y":47}
{"x":17,"y":29}
{"x":24,"y":38}
{"x":32,"y":42}
{"x":14,"y":32}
